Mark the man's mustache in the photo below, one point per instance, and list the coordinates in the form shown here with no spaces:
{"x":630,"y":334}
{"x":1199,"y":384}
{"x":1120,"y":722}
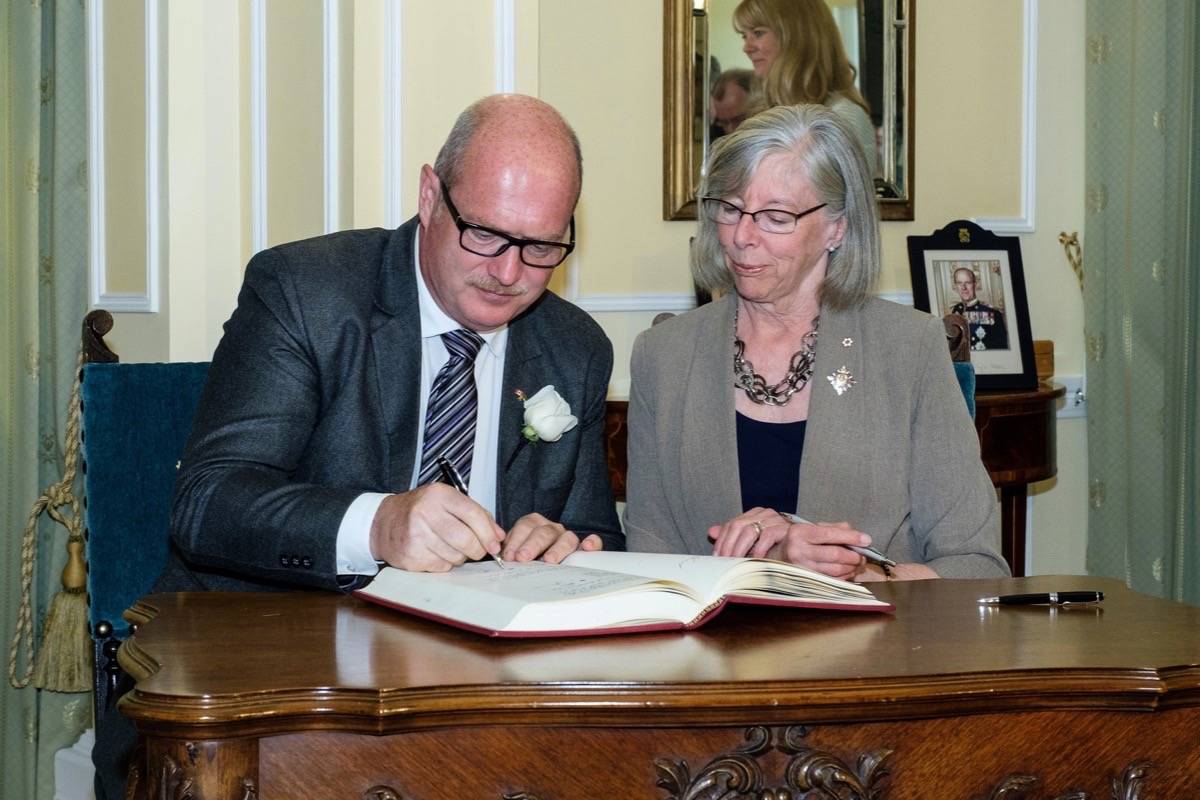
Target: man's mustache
{"x":489,"y":284}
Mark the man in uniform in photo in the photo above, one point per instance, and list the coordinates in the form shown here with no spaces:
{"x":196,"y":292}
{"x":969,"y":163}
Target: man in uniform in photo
{"x":986,"y":324}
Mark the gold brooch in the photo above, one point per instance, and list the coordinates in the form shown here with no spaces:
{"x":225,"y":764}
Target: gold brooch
{"x":842,"y":380}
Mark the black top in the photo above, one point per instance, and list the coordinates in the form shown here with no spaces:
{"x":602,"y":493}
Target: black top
{"x":769,"y":462}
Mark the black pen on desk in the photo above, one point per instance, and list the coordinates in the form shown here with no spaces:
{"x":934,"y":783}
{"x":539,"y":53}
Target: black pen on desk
{"x":450,"y":473}
{"x":869,"y":553}
{"x":1043,"y":599}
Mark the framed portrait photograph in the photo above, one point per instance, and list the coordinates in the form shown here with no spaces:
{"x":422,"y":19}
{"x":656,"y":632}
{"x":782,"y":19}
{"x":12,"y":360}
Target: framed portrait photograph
{"x":967,"y":270}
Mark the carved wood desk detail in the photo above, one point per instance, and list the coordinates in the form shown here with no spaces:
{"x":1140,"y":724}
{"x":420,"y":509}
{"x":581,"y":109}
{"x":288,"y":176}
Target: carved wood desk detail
{"x":313,"y":695}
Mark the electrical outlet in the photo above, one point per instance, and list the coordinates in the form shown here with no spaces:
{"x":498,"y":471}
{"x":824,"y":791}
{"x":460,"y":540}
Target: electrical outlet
{"x":1074,"y":404}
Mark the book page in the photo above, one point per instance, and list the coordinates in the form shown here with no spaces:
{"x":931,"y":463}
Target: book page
{"x":489,"y":596}
{"x":713,"y":577}
{"x":702,"y":573}
{"x":756,"y":577}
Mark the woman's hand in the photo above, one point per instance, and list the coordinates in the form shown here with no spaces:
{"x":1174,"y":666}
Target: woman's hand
{"x":763,"y":533}
{"x":900,"y":572}
{"x":736,"y":537}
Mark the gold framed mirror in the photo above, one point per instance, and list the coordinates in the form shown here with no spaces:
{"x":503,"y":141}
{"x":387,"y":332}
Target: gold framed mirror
{"x":879,"y":37}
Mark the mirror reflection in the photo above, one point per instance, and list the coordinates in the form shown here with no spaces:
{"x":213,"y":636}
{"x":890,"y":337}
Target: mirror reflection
{"x":851,"y":55}
{"x":785,"y":52}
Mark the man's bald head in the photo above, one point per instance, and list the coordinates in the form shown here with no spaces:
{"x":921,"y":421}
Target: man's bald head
{"x":510,"y":126}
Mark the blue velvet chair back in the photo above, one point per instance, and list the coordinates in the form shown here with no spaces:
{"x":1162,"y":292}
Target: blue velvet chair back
{"x":965,"y":372}
{"x":136,"y":419}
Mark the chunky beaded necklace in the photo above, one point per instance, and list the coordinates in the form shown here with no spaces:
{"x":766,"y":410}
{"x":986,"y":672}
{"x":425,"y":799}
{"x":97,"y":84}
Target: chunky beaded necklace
{"x":798,"y":374}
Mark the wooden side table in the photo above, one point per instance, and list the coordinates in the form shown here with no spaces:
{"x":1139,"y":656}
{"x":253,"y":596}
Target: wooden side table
{"x":1017,"y":439}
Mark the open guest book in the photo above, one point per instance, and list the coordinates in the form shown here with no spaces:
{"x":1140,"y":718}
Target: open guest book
{"x":597,"y":593}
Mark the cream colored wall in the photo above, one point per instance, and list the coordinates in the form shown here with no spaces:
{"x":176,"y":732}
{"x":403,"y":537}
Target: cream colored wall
{"x":1058,"y":515}
{"x":367,"y":132}
{"x":606,"y":77}
{"x":207,"y":177}
{"x":295,"y":120}
{"x":723,"y":41}
{"x":125,"y":136}
{"x":448,"y":62}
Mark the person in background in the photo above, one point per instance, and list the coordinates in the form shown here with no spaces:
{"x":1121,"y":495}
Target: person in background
{"x":797,"y":392}
{"x":728,"y":100}
{"x":798,"y":57}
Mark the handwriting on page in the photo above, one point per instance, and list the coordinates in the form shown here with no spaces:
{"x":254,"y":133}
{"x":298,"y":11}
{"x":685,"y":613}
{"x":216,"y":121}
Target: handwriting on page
{"x":537,"y":580}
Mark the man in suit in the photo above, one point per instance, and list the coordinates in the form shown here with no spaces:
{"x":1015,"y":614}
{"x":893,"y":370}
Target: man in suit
{"x":354,"y":359}
{"x":306,"y":463}
{"x":986,"y":324}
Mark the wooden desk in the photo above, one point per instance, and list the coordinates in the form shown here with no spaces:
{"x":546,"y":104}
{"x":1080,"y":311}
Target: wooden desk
{"x":1017,"y":437}
{"x":320,"y":696}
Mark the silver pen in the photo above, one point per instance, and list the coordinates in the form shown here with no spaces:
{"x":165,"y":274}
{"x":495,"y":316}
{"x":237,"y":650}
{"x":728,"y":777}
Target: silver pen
{"x":450,"y":473}
{"x":869,"y":553}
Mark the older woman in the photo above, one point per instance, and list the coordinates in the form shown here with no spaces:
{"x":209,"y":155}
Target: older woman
{"x":797,"y":391}
{"x":798,"y":57}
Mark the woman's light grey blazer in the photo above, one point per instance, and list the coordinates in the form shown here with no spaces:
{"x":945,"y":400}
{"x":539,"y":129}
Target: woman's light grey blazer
{"x":895,"y":455}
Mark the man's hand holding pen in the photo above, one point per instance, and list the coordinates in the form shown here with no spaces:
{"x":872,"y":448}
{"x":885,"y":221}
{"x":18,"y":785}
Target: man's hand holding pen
{"x":438,"y":526}
{"x":533,"y":535}
{"x":433,"y":528}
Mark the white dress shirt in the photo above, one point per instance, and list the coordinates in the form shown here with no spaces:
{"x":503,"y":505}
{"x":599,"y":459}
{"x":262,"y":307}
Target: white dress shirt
{"x":354,"y":534}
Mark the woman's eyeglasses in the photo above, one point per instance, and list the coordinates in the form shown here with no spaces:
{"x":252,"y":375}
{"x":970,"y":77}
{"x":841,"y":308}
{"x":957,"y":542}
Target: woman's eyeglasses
{"x":768,"y":220}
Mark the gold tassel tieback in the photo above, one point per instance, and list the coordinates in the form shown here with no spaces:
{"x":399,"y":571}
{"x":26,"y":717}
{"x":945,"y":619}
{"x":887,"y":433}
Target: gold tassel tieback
{"x":64,"y":662}
{"x":1074,"y":253}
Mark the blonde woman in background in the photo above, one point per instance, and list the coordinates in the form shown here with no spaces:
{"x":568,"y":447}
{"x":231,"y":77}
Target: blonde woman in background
{"x":798,"y":57}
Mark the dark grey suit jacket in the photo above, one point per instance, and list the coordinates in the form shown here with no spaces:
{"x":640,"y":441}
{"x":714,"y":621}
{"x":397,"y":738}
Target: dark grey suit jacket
{"x":313,"y":398}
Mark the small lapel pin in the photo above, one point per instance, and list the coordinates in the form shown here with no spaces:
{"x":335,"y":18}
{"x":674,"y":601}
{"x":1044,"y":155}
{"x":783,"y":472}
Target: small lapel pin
{"x":847,"y":342}
{"x":842,"y":380}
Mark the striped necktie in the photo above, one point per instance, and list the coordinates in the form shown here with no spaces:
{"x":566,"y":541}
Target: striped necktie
{"x":450,"y":416}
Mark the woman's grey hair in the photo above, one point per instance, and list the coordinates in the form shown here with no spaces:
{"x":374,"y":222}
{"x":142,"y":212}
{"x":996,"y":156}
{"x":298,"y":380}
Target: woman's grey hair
{"x":829,"y":156}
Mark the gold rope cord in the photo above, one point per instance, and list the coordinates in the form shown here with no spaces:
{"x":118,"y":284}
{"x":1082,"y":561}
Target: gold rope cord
{"x":56,"y":497}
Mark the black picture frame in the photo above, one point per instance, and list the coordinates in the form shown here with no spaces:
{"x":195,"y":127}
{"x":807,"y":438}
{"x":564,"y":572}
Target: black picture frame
{"x":998,"y":312}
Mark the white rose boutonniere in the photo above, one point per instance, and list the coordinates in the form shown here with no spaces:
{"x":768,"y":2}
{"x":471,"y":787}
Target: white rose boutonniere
{"x":547,"y":417}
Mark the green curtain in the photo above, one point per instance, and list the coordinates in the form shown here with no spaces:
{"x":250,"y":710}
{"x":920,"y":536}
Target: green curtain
{"x":1141,"y":295}
{"x":43,"y":238}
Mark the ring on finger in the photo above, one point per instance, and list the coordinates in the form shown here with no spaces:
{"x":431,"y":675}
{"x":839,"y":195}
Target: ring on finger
{"x":758,"y":529}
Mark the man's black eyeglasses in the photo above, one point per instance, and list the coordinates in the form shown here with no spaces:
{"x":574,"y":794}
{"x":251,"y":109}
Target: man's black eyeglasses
{"x":768,"y":220}
{"x":484,"y":241}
